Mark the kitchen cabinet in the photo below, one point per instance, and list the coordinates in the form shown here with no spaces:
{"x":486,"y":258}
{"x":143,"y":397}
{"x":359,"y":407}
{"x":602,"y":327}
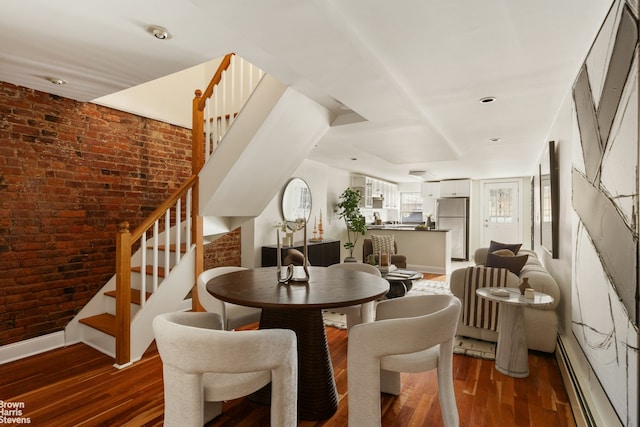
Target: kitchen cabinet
{"x":370,"y":188}
{"x":364,"y":186}
{"x":431,"y":190}
{"x":455,"y":188}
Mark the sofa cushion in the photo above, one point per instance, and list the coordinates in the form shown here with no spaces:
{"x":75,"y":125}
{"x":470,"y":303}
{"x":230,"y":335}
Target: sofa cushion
{"x":383,"y":244}
{"x":513,"y":263}
{"x":513,"y":247}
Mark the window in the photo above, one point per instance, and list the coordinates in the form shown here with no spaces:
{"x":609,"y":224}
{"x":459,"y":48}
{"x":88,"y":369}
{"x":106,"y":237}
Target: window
{"x":411,"y":207}
{"x":500,"y":206}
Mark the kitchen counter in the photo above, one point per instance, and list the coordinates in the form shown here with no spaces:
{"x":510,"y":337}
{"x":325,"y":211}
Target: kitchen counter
{"x":402,"y":227}
{"x":427,"y":251}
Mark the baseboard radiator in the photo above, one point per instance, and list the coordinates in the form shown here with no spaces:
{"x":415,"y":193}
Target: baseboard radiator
{"x":579,"y":405}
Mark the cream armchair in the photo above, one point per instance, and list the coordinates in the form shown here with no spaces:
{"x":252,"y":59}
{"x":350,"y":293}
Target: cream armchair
{"x":409,"y":335}
{"x":354,"y":313}
{"x":232,"y":315}
{"x":204,"y":366}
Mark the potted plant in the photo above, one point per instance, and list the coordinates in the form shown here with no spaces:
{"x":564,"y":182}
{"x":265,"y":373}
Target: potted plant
{"x":348,"y":208}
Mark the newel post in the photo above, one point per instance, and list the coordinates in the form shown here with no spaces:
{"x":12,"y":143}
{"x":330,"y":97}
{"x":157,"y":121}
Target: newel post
{"x":197,"y":157}
{"x":123,"y":294}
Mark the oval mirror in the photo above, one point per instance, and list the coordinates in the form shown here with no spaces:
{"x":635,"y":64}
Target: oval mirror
{"x":296,"y":203}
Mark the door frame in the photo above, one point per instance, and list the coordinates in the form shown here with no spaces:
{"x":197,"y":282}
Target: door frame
{"x":523,"y":203}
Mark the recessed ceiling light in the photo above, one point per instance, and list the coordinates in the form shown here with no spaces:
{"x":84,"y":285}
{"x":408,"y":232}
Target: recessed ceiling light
{"x":487,"y":99}
{"x":159,"y":32}
{"x":56,"y":81}
{"x":494,"y":140}
{"x":354,"y":158}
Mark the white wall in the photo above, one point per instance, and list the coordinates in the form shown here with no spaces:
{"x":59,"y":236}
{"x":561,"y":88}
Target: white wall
{"x":326,"y":185}
{"x":168,"y":99}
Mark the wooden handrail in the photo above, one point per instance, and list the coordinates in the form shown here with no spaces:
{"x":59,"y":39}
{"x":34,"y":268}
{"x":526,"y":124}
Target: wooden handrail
{"x":126,"y":240}
{"x":157,"y":214}
{"x":226,"y":61}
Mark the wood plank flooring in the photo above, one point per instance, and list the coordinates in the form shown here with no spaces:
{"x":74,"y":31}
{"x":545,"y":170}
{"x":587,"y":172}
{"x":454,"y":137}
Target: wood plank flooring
{"x":78,"y":386}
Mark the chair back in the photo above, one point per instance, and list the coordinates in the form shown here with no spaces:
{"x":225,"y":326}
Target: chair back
{"x":433,"y":319}
{"x":204,"y":366}
{"x":208,"y":301}
{"x":358,"y":266}
{"x":194,"y":342}
{"x":367,"y":247}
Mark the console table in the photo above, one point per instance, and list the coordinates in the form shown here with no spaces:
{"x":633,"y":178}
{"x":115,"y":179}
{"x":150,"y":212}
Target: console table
{"x":322,"y":254}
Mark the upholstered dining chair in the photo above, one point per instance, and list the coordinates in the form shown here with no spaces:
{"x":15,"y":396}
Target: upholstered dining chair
{"x":413,"y":334}
{"x":204,"y":366}
{"x":233,"y":315}
{"x":353,"y":312}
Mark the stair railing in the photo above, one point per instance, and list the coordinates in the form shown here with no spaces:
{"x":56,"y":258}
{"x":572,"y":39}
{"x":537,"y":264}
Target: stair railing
{"x":215,"y":110}
{"x":148,"y":235}
{"x":213,"y":113}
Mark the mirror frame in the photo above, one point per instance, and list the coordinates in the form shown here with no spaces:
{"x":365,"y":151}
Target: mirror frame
{"x":296,"y":195}
{"x":548,"y":170}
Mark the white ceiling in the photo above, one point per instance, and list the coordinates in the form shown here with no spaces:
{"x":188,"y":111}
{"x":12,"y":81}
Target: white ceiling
{"x":414,"y":69}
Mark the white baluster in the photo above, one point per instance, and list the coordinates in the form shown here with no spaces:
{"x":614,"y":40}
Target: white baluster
{"x":167,"y":242}
{"x":223,"y":107}
{"x":178,"y":229}
{"x":143,"y":279}
{"x":216,"y":113}
{"x":189,"y":217}
{"x":207,"y":130}
{"x":155,"y":257}
{"x":241,"y":78}
{"x":232,"y":101}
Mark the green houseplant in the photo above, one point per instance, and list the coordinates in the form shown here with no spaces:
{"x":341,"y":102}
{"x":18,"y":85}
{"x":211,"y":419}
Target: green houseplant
{"x":348,"y":208}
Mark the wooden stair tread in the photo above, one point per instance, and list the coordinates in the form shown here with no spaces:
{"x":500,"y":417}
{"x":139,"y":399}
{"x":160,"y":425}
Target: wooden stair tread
{"x":148,"y":270}
{"x":172,"y":247}
{"x":135,"y":295}
{"x":103,"y":322}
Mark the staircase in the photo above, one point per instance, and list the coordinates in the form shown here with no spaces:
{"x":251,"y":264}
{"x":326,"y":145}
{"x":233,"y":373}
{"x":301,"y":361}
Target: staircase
{"x":257,"y":126}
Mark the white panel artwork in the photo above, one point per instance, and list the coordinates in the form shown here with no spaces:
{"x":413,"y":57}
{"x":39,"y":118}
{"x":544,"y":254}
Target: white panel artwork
{"x":605,"y":201}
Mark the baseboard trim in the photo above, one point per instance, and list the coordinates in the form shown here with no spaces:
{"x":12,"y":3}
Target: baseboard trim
{"x":579,"y":406}
{"x":37,"y":345}
{"x":31,"y":347}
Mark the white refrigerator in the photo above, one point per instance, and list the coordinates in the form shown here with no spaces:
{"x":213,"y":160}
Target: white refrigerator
{"x":453,"y":214}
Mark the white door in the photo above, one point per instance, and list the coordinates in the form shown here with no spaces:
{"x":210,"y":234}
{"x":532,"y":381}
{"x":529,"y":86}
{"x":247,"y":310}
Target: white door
{"x":501,"y":213}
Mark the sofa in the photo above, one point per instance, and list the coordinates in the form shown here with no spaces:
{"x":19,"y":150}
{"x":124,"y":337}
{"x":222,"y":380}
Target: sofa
{"x":541,"y":324}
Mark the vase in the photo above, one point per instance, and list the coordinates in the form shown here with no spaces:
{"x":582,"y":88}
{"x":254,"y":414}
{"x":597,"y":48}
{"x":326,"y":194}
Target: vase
{"x":524,"y":285}
{"x":350,"y":259}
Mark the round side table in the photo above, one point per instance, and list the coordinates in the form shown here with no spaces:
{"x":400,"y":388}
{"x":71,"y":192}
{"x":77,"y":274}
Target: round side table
{"x":512,"y":354}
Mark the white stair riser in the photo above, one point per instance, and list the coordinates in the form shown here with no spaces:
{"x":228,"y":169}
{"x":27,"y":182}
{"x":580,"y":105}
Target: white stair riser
{"x":136,"y":281}
{"x":110,"y":306}
{"x":98,"y":340}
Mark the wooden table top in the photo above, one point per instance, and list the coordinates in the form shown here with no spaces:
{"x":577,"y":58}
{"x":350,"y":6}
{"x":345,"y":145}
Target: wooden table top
{"x":326,"y":288}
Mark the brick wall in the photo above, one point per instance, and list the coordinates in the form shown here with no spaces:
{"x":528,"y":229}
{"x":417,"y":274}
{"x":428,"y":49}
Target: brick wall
{"x":224,"y":251}
{"x":69,"y":173}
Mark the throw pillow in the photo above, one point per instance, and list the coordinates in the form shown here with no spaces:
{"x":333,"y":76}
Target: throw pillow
{"x":513,"y":247}
{"x":512,"y":263}
{"x":503,"y":252}
{"x":383,"y":244}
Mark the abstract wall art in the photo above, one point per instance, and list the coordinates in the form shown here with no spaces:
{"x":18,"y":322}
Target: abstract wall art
{"x":605,"y":190}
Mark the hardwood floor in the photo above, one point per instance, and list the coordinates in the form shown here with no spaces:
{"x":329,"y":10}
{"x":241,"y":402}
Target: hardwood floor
{"x":78,"y":386}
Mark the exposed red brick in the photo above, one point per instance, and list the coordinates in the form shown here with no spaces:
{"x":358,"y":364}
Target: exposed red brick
{"x":69,"y":173}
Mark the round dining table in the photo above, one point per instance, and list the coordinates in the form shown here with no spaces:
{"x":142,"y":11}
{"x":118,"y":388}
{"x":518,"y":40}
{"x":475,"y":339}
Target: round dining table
{"x":298,"y":306}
